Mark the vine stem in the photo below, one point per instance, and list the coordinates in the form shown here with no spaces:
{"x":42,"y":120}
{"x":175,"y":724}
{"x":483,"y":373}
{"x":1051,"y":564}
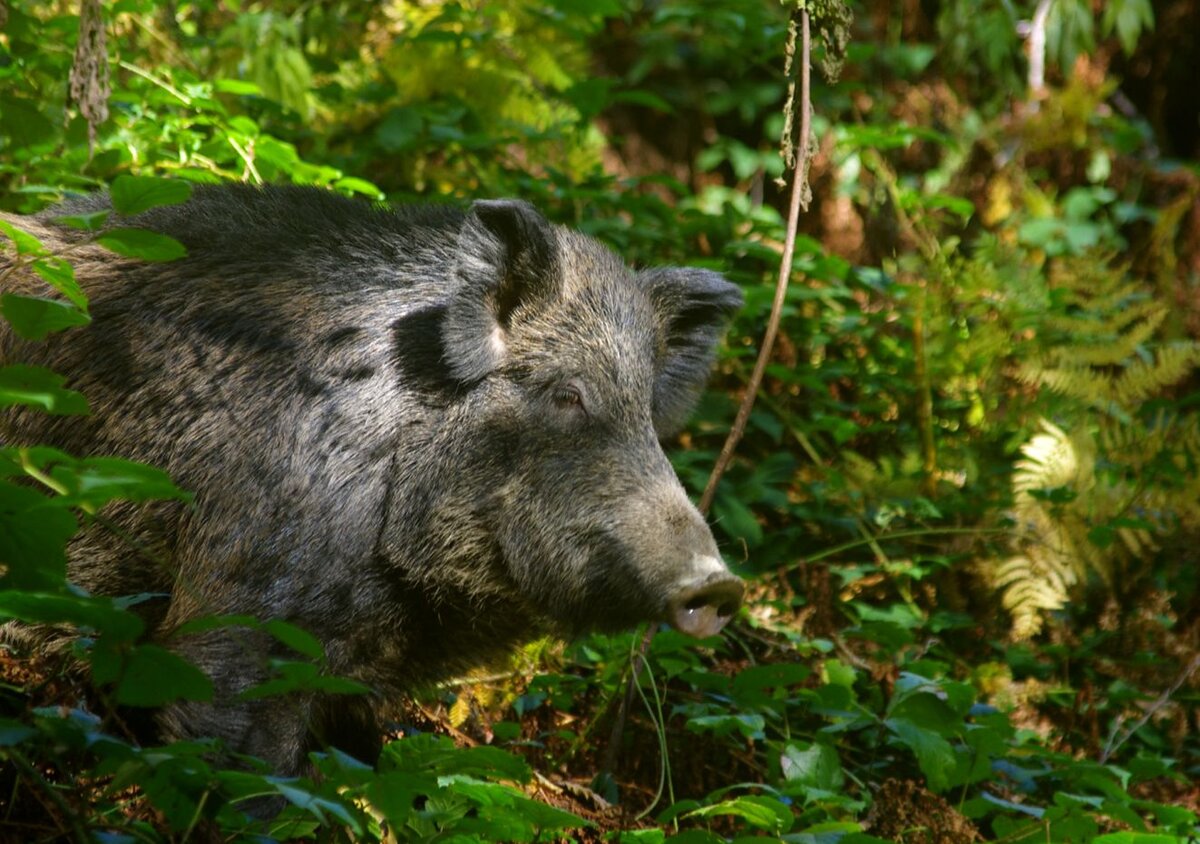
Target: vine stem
{"x":800,"y":194}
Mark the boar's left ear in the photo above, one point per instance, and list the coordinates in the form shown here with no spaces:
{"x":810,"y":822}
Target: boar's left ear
{"x":694,"y":307}
{"x":505,"y":260}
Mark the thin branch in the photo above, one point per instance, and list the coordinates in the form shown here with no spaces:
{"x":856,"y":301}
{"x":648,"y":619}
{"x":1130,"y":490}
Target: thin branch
{"x":800,"y":196}
{"x":1162,"y":701}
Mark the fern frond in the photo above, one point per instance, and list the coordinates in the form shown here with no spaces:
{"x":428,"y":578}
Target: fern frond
{"x":1144,"y":378}
{"x":1114,"y":350}
{"x":1076,"y":381}
{"x":1053,"y":459}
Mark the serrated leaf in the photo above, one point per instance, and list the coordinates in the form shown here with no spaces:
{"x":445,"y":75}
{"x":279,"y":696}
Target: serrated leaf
{"x":33,"y":317}
{"x":36,"y":386}
{"x":140,"y":243}
{"x":134,"y":194}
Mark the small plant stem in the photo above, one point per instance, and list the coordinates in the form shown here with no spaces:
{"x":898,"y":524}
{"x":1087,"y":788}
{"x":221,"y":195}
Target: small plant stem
{"x":924,"y":400}
{"x":1158,"y":704}
{"x":799,"y":193}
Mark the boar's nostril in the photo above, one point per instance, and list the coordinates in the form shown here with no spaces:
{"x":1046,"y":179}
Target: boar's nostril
{"x":703,"y":609}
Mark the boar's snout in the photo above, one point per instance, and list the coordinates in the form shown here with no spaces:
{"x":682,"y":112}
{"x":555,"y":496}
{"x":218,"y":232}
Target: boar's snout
{"x":703,"y":604}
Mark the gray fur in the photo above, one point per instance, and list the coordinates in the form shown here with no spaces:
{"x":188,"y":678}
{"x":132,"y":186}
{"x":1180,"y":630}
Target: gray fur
{"x":376,"y":409}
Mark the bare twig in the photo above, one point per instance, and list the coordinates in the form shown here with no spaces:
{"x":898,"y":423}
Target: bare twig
{"x":800,"y":196}
{"x":1158,"y":704}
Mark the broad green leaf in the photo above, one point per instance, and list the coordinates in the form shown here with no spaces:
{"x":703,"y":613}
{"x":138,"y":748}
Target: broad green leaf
{"x":134,"y":194}
{"x":770,"y":676}
{"x":735,"y":518}
{"x":319,"y":806}
{"x":33,"y":317}
{"x":140,"y":243}
{"x":26,"y":243}
{"x":362,"y":186}
{"x":23,"y":123}
{"x":94,"y":481}
{"x":33,"y":539}
{"x":153,"y":676}
{"x":14,"y":732}
{"x":818,"y":766}
{"x":934,"y":754}
{"x":36,"y":386}
{"x":749,"y":724}
{"x":237,"y":86}
{"x":60,"y":275}
{"x":96,"y":613}
{"x":295,"y":638}
{"x":90,"y":222}
{"x":765,"y":813}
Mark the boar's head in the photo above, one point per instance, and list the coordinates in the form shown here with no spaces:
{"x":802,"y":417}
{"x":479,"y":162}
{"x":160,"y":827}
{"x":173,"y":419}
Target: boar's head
{"x":572,"y":369}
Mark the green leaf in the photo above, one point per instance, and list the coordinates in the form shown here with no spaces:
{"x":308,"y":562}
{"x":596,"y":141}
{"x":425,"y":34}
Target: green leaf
{"x":36,"y":386}
{"x":140,"y":243}
{"x":735,"y":518}
{"x":26,"y":243}
{"x":60,"y":275}
{"x":362,"y":186}
{"x":33,"y":539}
{"x":749,"y":724}
{"x":33,"y":317}
{"x":318,"y":807}
{"x":934,"y":754}
{"x":237,"y":86}
{"x":14,"y":732}
{"x":399,"y":130}
{"x":91,"y":222}
{"x":780,"y":674}
{"x":94,"y":481}
{"x":816,"y":767}
{"x":154,"y":676}
{"x":83,"y":611}
{"x":134,"y":194}
{"x":762,"y":812}
{"x":23,"y":123}
{"x":295,"y":638}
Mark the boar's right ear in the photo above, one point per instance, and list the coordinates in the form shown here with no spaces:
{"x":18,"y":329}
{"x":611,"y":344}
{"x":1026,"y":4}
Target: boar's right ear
{"x":505,"y":260}
{"x":694,"y":308}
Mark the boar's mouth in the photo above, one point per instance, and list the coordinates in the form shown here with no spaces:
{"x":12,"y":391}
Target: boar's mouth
{"x":703,"y":609}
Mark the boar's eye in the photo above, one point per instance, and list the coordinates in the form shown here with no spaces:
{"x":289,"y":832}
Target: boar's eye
{"x":569,"y":397}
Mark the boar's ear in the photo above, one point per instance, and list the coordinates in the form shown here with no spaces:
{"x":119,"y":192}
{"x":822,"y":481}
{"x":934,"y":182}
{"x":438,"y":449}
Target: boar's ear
{"x":694,"y":307}
{"x":505,"y":260}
